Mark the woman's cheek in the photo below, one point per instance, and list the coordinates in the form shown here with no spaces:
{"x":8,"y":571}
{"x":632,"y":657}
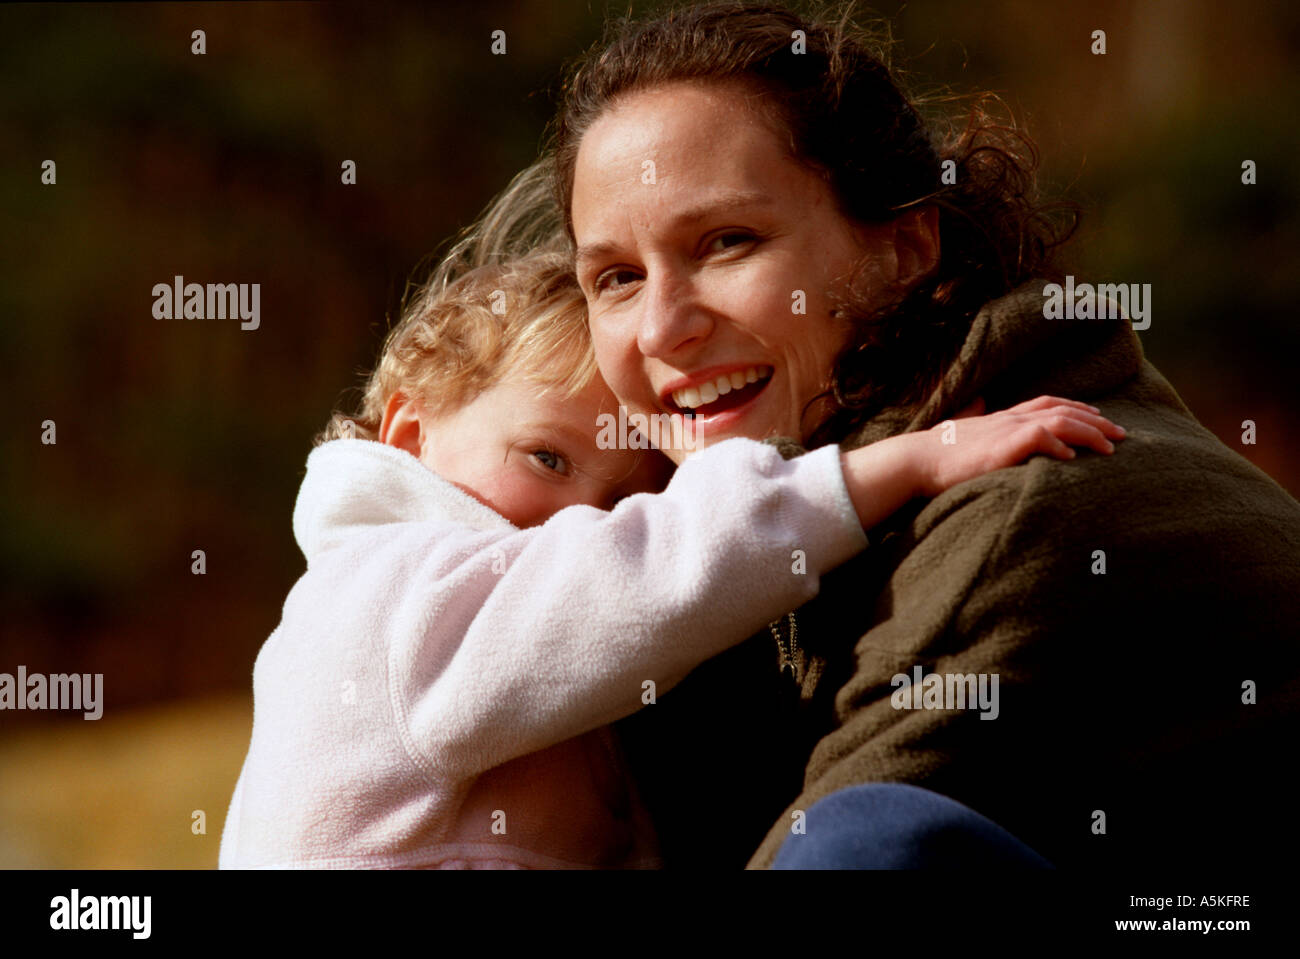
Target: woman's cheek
{"x":766,"y":313}
{"x":621,"y":364}
{"x":763,"y":299}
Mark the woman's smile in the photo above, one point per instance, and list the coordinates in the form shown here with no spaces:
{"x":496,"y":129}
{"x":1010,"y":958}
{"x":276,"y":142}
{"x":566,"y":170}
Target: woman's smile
{"x":717,"y":398}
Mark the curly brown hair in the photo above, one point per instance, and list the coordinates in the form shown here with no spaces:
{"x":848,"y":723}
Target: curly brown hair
{"x":828,"y":84}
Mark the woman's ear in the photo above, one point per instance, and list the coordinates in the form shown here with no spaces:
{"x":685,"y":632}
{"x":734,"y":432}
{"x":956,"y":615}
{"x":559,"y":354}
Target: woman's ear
{"x":401,"y":426}
{"x":916,"y":244}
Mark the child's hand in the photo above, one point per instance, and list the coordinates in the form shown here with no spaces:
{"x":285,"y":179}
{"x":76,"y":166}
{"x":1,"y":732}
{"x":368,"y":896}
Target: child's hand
{"x":883,"y":476}
{"x":963,"y":448}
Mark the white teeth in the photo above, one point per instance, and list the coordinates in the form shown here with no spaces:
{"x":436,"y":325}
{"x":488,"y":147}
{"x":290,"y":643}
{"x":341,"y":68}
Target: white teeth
{"x":691,"y":397}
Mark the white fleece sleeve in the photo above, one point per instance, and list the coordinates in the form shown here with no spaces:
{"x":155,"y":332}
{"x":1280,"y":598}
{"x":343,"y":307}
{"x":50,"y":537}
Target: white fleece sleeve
{"x":564,"y":624}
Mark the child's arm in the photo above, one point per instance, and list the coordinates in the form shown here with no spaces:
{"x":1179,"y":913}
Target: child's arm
{"x":589,"y":613}
{"x":534,"y":636}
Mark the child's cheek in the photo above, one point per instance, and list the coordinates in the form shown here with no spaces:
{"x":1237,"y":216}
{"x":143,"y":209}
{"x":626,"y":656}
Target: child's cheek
{"x":521,"y":498}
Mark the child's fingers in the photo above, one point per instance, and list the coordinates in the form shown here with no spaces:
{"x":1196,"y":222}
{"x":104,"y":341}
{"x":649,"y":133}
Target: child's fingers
{"x":1034,"y":438}
{"x":1044,"y":402}
{"x":1076,"y":432}
{"x":1058,"y":447}
{"x":1110,"y":429}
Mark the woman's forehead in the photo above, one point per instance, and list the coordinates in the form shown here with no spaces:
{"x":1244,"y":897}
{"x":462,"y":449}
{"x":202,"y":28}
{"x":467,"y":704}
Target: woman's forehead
{"x":686,"y":115}
{"x":683,"y":153}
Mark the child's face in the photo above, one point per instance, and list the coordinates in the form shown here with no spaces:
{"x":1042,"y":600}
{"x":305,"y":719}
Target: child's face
{"x":528,"y":457}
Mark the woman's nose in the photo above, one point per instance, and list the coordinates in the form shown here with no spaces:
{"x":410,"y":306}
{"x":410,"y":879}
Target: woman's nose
{"x":672,"y":319}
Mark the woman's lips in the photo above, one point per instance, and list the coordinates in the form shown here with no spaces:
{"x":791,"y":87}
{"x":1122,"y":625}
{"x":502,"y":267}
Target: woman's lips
{"x":725,"y":416}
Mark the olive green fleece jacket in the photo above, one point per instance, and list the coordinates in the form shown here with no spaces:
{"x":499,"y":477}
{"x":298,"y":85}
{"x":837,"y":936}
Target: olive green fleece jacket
{"x":1141,"y":613}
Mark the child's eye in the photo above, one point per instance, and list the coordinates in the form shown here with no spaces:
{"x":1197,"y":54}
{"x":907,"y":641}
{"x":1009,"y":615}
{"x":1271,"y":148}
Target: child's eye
{"x":552,"y":461}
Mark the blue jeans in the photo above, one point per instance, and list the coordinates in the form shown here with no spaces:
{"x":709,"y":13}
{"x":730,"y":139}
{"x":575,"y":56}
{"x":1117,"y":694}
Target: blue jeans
{"x":896,"y":826}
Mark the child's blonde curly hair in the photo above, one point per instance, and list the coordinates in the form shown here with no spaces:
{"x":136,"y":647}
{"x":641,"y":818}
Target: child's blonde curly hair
{"x":503,"y":299}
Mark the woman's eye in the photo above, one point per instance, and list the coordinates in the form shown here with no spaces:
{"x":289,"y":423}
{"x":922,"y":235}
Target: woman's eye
{"x":725,"y":241}
{"x":613,"y":280}
{"x":552,"y":461}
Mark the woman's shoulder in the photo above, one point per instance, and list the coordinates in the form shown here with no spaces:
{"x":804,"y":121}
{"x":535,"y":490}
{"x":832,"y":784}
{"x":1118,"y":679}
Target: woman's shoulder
{"x":1171,"y":488}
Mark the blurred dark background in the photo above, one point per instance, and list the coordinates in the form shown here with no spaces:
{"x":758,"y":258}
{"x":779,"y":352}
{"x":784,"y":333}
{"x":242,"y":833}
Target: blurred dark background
{"x":177,"y":435}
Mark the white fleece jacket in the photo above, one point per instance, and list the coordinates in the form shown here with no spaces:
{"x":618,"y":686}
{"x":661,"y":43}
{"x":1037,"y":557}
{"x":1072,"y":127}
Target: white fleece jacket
{"x":436,"y":692}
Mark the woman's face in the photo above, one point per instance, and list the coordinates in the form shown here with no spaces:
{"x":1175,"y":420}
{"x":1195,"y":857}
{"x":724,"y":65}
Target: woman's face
{"x":709,"y":258}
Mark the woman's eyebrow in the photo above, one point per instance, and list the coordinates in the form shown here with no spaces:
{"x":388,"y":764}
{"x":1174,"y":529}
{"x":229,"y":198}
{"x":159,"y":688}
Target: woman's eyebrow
{"x":720,"y":203}
{"x":723,"y":202}
{"x":593,"y":251}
